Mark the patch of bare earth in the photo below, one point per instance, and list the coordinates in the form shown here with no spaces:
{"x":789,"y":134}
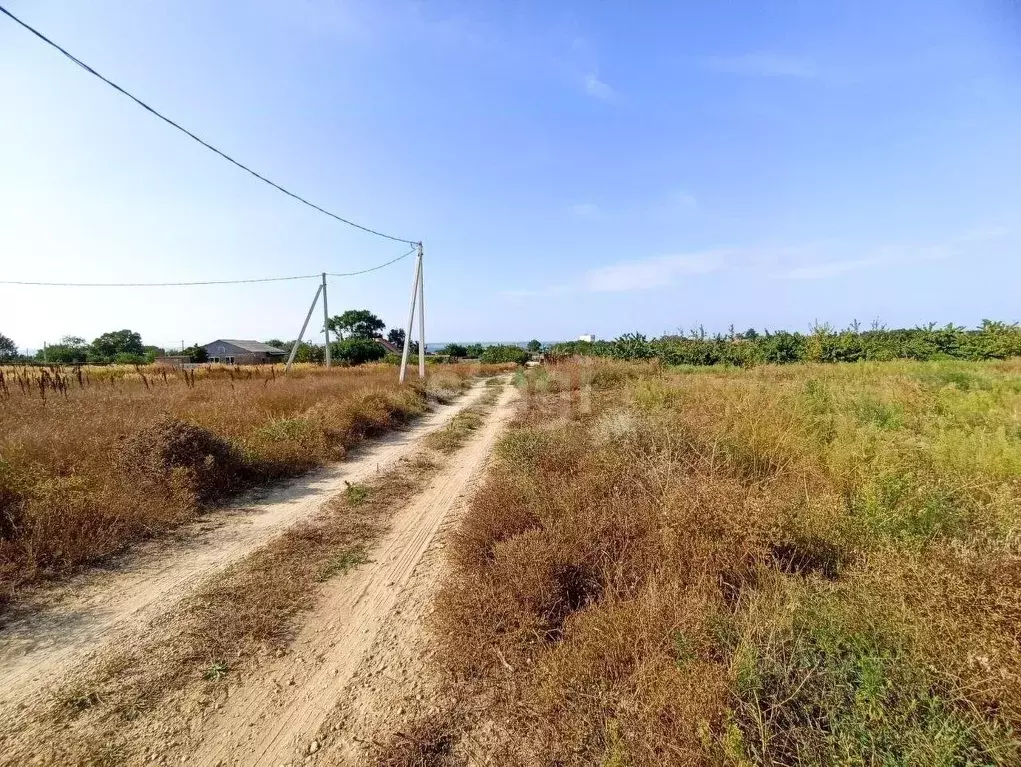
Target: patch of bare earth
{"x":341,"y":680}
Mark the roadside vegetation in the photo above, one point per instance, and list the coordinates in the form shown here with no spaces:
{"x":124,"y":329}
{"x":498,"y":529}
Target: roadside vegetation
{"x":810,"y":564}
{"x":991,"y":340}
{"x":237,"y":623}
{"x":93,"y":459}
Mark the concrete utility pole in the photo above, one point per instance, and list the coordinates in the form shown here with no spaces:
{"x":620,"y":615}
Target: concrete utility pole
{"x":421,"y":315}
{"x":417,"y":296}
{"x":304,"y":325}
{"x":326,"y":322}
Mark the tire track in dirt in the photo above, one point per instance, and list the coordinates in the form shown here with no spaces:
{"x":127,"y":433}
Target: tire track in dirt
{"x":275,"y":716}
{"x":40,"y":648}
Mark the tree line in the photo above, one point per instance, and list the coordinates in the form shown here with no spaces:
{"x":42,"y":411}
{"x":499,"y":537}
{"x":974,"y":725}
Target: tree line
{"x":117,"y":346}
{"x":991,"y":340}
{"x":358,"y":333}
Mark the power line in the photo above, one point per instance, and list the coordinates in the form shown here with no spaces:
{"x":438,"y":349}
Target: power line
{"x":371,"y":269}
{"x":202,"y":282}
{"x":159,"y":284}
{"x":188,"y":133}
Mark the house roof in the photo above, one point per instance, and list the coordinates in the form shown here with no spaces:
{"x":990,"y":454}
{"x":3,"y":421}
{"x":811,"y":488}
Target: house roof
{"x":249,"y":346}
{"x":389,"y":346}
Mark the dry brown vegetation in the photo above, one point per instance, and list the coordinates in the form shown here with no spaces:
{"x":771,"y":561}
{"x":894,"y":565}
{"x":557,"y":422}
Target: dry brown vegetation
{"x":461,"y":426}
{"x":137,"y":702}
{"x":93,"y":459}
{"x":801,"y":565}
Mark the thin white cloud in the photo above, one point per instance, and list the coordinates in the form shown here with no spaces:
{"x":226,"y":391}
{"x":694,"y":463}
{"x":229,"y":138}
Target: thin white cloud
{"x":896,"y":255}
{"x":585,"y":210}
{"x":682,"y":201}
{"x":830,"y":269}
{"x":648,"y":273}
{"x":547,"y":292}
{"x":639,"y":274}
{"x":676,"y":268}
{"x":598,"y":89}
{"x":762,"y":65}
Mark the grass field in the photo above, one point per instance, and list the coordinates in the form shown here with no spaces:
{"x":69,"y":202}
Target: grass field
{"x":810,"y":564}
{"x":92,"y":459}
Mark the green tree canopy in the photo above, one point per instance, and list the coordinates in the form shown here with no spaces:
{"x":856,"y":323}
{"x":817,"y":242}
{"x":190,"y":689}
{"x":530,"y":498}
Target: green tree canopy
{"x":116,"y":342}
{"x":505,"y":353}
{"x":8,"y":349}
{"x":196,"y":352}
{"x":535,"y":345}
{"x":357,"y":323}
{"x":457,"y":351}
{"x":396,"y":336}
{"x":355,"y":351}
{"x":70,"y":350}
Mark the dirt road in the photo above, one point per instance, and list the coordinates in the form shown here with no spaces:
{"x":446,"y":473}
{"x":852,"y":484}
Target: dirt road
{"x":282,"y":714}
{"x":43,"y":647}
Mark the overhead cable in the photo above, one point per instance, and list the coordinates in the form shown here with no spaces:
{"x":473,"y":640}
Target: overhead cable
{"x":158,"y":284}
{"x":371,"y":269}
{"x":202,"y":282}
{"x":188,"y":133}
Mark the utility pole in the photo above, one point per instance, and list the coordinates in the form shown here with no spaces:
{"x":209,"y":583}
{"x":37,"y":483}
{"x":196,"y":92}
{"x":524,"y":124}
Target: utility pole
{"x":326,"y":322}
{"x":421,"y":315}
{"x":416,"y":297}
{"x":294,"y":349}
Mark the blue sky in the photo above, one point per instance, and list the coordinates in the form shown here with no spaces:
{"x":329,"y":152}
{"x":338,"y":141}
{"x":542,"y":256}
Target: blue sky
{"x":571,"y":167}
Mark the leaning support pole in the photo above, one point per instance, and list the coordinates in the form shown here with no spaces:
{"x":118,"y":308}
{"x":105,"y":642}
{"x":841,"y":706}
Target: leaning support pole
{"x":304,"y":326}
{"x":411,"y":318}
{"x":326,"y":321}
{"x":421,"y":314}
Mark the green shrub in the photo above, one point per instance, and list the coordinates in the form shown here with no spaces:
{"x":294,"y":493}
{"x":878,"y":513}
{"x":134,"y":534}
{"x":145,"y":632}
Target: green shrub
{"x":355,"y":351}
{"x":504,"y":353}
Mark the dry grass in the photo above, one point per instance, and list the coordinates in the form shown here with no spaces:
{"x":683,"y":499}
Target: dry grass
{"x":241,"y":619}
{"x":94,"y":459}
{"x":423,"y":743}
{"x":120,"y":710}
{"x":451,"y":437}
{"x":803,"y":565}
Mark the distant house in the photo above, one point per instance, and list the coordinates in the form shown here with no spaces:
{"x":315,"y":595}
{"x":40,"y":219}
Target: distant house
{"x":392,"y":348}
{"x":588,"y":338}
{"x":231,"y":351}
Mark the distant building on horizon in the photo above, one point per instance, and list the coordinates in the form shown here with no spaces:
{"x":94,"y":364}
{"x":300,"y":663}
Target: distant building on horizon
{"x":232,"y":351}
{"x":588,"y":338}
{"x":391,"y":347}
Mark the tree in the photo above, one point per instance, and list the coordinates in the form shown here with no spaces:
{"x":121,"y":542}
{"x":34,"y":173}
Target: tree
{"x":751,"y":334}
{"x":8,"y":349}
{"x":475,"y":351}
{"x":309,"y":352}
{"x":535,"y":345}
{"x":71,"y":350}
{"x":153,"y":352}
{"x":109,"y":345}
{"x":357,"y":323}
{"x":276,"y":343}
{"x":196,"y":353}
{"x":396,"y":336}
{"x":504,"y":353}
{"x":355,"y":351}
{"x":456,"y":351}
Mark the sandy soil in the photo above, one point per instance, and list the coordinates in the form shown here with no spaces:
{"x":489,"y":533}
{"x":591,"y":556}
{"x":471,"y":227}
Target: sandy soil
{"x":41,"y":647}
{"x":355,"y":663}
